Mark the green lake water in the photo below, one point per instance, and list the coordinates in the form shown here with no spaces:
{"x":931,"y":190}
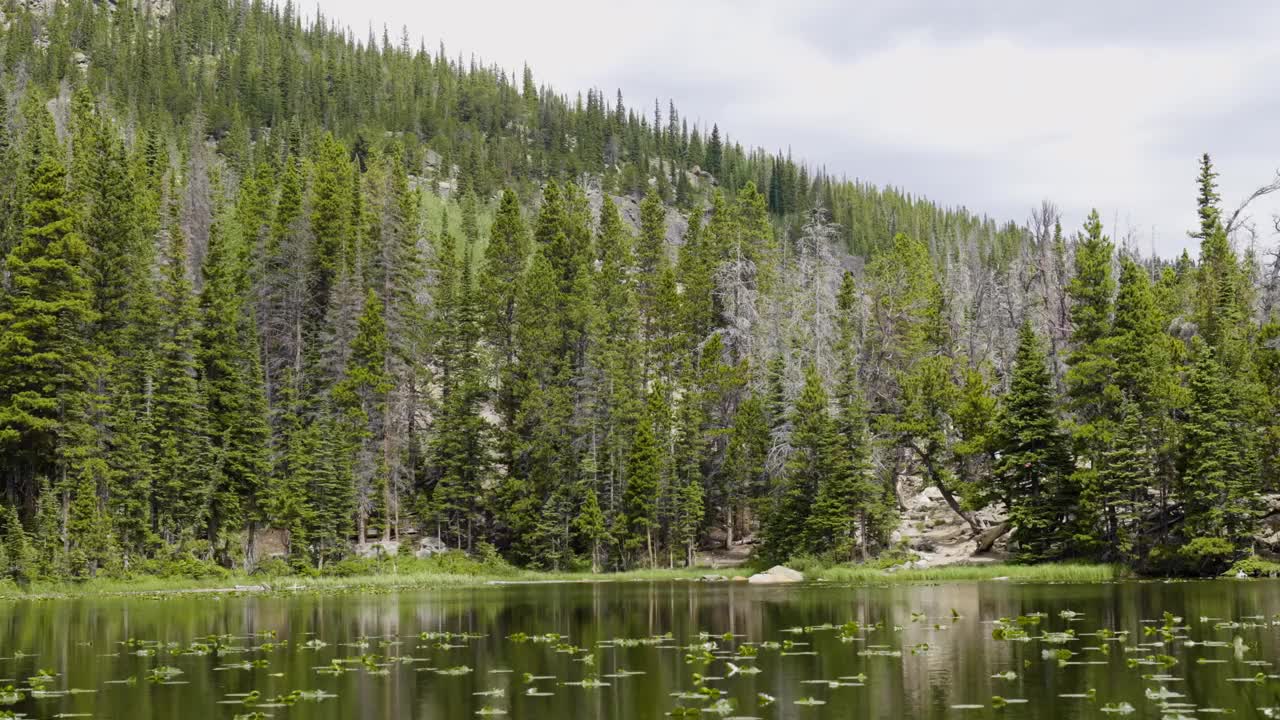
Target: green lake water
{"x":918,"y":651}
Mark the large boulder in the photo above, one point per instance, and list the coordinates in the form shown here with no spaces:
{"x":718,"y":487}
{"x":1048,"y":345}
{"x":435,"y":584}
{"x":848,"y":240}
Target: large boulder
{"x":776,"y":575}
{"x":429,"y":546}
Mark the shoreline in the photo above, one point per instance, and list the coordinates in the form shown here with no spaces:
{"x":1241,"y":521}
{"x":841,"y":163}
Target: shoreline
{"x":396,"y":581}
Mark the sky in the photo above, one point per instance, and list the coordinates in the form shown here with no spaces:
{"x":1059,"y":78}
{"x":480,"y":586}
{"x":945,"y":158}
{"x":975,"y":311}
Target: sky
{"x":992,"y":105}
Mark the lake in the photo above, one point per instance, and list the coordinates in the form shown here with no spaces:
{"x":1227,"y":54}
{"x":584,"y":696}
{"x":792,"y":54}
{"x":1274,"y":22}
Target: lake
{"x":631,"y":649}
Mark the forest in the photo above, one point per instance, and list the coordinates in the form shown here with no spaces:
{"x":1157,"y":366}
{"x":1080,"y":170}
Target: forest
{"x":258,"y":273}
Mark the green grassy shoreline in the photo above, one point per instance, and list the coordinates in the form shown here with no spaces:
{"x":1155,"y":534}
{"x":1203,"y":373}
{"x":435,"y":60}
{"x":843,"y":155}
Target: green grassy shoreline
{"x":409,"y":576}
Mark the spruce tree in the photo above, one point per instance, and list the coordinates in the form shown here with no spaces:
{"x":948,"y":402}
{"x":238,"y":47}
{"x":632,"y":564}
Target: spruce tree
{"x":1034,"y":466}
{"x":505,"y":259}
{"x":361,"y":398}
{"x":715,"y":153}
{"x":1217,"y":498}
{"x":639,"y":497}
{"x":44,"y":317}
{"x":235,"y":395}
{"x":17,"y":552}
{"x":1090,"y":376}
{"x":1127,"y":472}
{"x":183,"y":464}
{"x":796,"y":491}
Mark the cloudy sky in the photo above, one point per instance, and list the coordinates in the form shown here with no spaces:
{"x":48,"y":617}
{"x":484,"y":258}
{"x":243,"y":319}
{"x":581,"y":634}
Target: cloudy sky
{"x":991,"y":105}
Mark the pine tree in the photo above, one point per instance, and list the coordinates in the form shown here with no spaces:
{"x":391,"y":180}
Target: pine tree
{"x":361,"y":397}
{"x":286,"y":500}
{"x":808,"y":462}
{"x":183,"y":464}
{"x":44,"y":317}
{"x":1217,"y":501}
{"x":460,"y":448}
{"x":235,"y":395}
{"x":613,"y":372}
{"x":590,"y":526}
{"x":1035,"y":460}
{"x":743,"y":471}
{"x":331,"y":203}
{"x":16,"y":547}
{"x":846,"y":512}
{"x":1091,"y":368}
{"x":1126,"y":472}
{"x":715,"y":153}
{"x":1145,"y":377}
{"x":639,"y":498}
{"x":687,"y":477}
{"x":505,"y":259}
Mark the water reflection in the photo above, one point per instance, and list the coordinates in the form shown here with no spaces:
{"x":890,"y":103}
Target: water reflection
{"x":948,"y":626}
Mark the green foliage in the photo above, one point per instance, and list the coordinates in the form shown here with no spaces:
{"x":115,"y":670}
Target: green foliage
{"x":1034,"y":467}
{"x":200,"y":339}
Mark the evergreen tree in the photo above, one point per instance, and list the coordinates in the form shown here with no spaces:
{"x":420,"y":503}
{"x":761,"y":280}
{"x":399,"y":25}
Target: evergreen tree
{"x":183,"y":466}
{"x":461,"y":445}
{"x":1090,"y":373}
{"x":639,"y":498}
{"x":715,"y":153}
{"x":15,"y":547}
{"x":44,"y":317}
{"x":1035,"y":461}
{"x":235,"y":395}
{"x":1126,"y":473}
{"x":361,"y":398}
{"x":807,"y":464}
{"x":845,"y":514}
{"x":505,"y":259}
{"x":1217,"y":500}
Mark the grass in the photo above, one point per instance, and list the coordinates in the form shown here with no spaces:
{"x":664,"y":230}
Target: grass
{"x":457,"y":570}
{"x":1050,"y":572}
{"x":388,"y":575}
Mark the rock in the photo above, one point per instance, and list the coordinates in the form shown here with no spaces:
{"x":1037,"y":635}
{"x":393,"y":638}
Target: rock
{"x":776,"y":575}
{"x":377,"y":548}
{"x":739,"y":578}
{"x":429,"y":546}
{"x":988,"y":537}
{"x":714,"y":578}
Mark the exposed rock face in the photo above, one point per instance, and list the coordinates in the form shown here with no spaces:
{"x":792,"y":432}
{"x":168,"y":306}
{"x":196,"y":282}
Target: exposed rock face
{"x":378,"y":548}
{"x":629,"y":209}
{"x":932,"y":530}
{"x":776,"y":575}
{"x":266,"y":543}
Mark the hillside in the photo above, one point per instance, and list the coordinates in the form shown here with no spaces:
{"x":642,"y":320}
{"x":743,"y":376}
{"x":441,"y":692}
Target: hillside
{"x":264,"y":280}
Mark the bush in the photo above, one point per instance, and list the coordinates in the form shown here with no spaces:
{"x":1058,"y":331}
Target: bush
{"x":273,"y":567}
{"x":1200,"y":557}
{"x":1255,"y":566}
{"x":183,"y":565}
{"x":457,"y":562}
{"x":350,"y":567}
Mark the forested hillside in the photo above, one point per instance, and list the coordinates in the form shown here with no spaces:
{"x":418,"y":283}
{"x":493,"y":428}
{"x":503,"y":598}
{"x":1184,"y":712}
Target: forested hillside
{"x":260,"y":274}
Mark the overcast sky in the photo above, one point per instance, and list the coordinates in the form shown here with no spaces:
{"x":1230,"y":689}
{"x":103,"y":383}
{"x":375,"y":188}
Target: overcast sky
{"x":990,"y":105}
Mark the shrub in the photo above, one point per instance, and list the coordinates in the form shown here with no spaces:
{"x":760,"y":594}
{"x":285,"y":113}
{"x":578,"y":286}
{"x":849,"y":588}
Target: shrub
{"x":1255,"y":566}
{"x":273,"y":567}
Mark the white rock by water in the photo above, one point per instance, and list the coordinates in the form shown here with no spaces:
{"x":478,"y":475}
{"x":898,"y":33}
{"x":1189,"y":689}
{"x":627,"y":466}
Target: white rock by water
{"x":776,"y":575}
